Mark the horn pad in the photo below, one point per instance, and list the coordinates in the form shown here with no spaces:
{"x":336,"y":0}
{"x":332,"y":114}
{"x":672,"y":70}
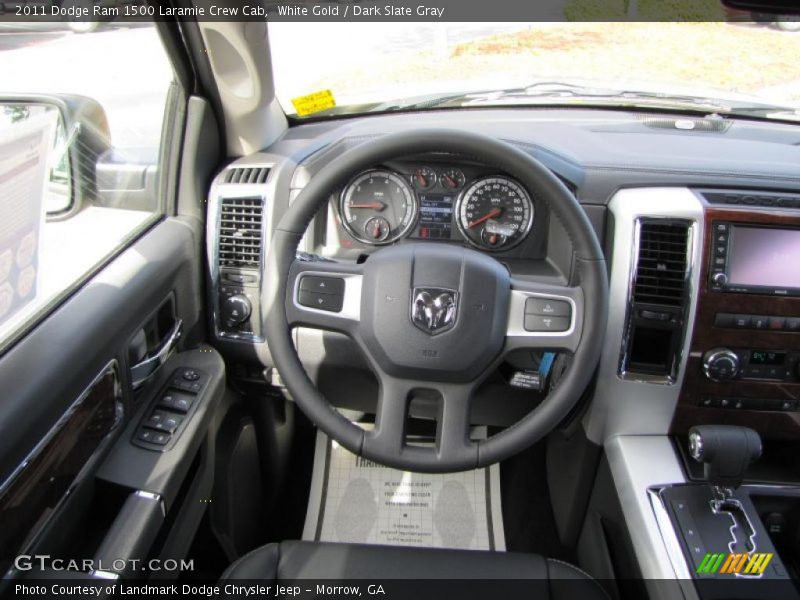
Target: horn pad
{"x":434,"y":312}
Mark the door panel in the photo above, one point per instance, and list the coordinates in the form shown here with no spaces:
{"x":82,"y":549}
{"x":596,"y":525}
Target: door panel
{"x":46,"y":372}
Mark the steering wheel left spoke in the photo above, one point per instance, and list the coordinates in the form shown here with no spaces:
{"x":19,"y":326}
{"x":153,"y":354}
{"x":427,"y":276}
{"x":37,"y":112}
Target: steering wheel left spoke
{"x":324,"y":295}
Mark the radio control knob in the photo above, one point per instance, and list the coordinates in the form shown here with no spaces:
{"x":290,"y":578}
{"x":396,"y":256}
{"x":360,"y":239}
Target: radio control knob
{"x":720,"y":364}
{"x":236,"y":309}
{"x":720,"y":279}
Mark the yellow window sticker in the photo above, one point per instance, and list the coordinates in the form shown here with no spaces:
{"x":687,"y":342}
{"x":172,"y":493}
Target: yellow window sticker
{"x":313,"y":103}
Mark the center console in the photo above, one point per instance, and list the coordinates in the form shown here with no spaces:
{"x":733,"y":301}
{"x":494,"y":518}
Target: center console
{"x":744,"y":361}
{"x":721,"y":531}
{"x":735,"y":361}
{"x":742,"y":370}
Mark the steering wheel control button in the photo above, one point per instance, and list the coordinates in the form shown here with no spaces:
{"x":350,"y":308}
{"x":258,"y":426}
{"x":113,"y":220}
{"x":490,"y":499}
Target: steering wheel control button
{"x":322,"y":285}
{"x":319,"y":301}
{"x":322,"y":293}
{"x":548,"y":308}
{"x":545,"y":323}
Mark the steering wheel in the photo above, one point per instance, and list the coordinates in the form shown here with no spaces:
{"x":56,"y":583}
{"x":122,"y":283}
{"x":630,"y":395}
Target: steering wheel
{"x":479,"y":307}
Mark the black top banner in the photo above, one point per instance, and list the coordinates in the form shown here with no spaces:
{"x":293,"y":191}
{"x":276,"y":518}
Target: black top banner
{"x":48,"y":11}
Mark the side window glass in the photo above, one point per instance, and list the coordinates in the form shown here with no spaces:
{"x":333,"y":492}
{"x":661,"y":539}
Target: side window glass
{"x":70,"y":201}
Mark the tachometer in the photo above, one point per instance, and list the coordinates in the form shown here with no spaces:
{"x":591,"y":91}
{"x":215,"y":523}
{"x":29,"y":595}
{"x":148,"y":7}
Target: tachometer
{"x":495,"y":213}
{"x":378,"y":207}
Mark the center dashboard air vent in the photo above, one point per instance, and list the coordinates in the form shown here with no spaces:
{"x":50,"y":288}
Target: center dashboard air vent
{"x":661,"y":268}
{"x":657,"y":308}
{"x":240,"y":232}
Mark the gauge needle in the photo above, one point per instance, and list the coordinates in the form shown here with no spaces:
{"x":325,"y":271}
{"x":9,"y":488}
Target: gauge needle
{"x":371,"y":205}
{"x":423,"y":181}
{"x":449,"y":180}
{"x":495,"y":212}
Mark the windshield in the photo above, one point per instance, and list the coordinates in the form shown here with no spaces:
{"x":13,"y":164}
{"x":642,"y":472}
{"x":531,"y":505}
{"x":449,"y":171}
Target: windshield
{"x":392,"y":66}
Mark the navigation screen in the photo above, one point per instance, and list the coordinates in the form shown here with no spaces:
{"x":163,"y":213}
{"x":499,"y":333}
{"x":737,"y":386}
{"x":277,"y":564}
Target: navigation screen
{"x":436,"y":216}
{"x":764,"y":257}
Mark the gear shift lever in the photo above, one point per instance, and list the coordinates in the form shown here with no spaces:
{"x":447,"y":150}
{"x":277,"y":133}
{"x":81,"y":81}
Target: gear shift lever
{"x":725,"y":451}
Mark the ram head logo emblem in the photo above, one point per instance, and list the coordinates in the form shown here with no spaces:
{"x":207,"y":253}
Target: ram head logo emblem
{"x":433,"y":310}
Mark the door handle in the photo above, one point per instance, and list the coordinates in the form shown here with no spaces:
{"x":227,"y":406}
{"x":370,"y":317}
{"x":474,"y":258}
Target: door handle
{"x":143,"y":371}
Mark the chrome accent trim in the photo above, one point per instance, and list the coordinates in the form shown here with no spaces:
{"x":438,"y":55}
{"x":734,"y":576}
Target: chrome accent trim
{"x":671,"y":541}
{"x":351,"y":306}
{"x":696,"y":446}
{"x":153,"y":497}
{"x":516,"y":315}
{"x":717,"y":353}
{"x":113,"y":368}
{"x":640,"y":464}
{"x":631,"y":406}
{"x":219,"y":191}
{"x":426,"y":314}
{"x":142,"y":372}
{"x":717,"y":507}
{"x":110,"y":367}
{"x":688,"y":296}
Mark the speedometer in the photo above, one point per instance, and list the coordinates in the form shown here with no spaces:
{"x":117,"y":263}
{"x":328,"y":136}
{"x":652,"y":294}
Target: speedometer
{"x":495,"y":213}
{"x":378,"y":207}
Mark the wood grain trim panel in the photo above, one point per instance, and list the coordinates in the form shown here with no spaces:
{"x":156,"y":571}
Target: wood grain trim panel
{"x":771,"y":425}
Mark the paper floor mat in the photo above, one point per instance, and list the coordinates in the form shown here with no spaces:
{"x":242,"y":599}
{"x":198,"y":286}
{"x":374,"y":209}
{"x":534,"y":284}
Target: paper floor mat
{"x":356,"y":500}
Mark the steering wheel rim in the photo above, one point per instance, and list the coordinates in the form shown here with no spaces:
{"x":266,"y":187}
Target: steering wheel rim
{"x":588,"y":296}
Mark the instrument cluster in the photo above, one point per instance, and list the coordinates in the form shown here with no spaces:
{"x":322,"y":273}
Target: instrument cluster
{"x":431,"y":201}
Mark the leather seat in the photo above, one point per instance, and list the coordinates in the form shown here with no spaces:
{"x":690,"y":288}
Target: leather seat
{"x":289,"y":561}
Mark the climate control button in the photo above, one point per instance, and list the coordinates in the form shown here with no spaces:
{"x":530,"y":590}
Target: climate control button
{"x":721,"y":364}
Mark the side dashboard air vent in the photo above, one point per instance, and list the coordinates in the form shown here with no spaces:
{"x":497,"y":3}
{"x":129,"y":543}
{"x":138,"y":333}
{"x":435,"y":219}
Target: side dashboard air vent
{"x":240,"y":232}
{"x":661,"y":269}
{"x":246,"y":175}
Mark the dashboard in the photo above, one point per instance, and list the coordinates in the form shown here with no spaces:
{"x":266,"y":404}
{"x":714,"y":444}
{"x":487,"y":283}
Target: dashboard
{"x":654,"y":192}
